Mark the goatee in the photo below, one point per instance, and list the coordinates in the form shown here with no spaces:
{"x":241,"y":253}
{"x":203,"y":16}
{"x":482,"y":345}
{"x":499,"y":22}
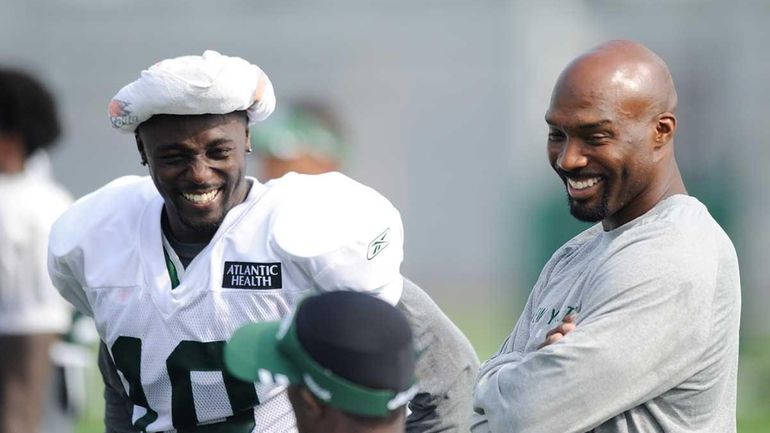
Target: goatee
{"x":591,"y":214}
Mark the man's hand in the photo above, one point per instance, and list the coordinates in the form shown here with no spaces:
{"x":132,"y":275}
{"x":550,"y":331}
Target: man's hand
{"x":557,"y":333}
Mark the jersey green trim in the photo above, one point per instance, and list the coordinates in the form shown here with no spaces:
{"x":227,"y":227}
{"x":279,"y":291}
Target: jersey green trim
{"x":171,"y":270}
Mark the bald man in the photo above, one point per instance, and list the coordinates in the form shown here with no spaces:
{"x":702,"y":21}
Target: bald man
{"x":633,"y":324}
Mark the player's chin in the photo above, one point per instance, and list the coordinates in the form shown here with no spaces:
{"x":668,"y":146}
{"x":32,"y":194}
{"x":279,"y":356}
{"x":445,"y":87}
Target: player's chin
{"x":203,"y":221}
{"x":587,"y":211}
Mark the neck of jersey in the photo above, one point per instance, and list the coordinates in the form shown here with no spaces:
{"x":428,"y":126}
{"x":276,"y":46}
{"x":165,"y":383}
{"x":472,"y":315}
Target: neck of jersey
{"x":186,"y":252}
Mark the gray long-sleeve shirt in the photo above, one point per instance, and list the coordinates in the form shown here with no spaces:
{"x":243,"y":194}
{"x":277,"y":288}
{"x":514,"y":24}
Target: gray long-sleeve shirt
{"x":655,"y":348}
{"x":446,"y":367}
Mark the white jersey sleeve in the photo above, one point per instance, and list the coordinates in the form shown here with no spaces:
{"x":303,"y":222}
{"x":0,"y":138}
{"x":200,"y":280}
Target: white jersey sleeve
{"x":89,"y":221}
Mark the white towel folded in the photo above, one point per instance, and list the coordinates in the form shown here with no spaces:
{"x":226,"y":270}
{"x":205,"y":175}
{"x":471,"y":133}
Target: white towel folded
{"x":207,"y":84}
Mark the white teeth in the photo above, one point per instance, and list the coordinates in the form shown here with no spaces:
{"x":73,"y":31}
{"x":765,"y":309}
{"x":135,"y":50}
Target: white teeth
{"x":583,"y":184}
{"x":201,"y":198}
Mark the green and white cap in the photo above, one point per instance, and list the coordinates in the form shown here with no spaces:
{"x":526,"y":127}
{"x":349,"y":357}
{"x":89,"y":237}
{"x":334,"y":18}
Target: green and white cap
{"x":353,"y":351}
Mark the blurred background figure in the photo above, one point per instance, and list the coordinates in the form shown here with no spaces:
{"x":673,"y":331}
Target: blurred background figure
{"x":32,"y":314}
{"x":305,"y":138}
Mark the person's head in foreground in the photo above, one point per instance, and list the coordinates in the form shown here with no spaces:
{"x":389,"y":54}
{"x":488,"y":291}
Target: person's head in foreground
{"x":611,"y":133}
{"x":28,"y":119}
{"x":347,"y":357}
{"x":190,"y":117}
{"x":304,"y":137}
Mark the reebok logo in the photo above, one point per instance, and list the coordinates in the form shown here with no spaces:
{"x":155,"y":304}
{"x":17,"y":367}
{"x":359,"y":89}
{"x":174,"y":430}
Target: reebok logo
{"x":378,"y":244}
{"x":249,"y":275}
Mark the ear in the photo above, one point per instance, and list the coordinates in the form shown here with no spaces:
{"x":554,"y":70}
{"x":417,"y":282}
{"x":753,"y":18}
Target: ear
{"x":665,"y":128}
{"x":140,"y":148}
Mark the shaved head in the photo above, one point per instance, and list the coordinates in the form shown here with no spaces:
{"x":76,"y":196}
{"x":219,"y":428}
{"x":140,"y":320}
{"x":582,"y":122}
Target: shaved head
{"x":612,"y":122}
{"x":626,"y":71}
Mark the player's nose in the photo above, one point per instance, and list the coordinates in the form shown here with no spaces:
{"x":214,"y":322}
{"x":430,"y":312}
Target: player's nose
{"x":198,"y":171}
{"x":571,"y":156}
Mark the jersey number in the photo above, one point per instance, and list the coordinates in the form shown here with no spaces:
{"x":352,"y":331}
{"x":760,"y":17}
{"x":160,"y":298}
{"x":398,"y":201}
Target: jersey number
{"x":188,"y":356}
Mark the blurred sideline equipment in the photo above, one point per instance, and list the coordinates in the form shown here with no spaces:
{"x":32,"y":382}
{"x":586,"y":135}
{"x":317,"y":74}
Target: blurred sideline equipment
{"x":348,"y":358}
{"x":171,"y":265}
{"x":633,"y":324}
{"x":32,"y":314}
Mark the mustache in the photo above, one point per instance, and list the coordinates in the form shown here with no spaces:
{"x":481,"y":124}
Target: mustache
{"x":584,"y":174}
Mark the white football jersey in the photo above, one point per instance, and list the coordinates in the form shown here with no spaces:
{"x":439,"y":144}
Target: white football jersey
{"x":106,"y":256}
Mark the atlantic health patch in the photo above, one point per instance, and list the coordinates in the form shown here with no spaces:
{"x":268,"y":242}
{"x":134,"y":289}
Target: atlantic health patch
{"x":250,"y":275}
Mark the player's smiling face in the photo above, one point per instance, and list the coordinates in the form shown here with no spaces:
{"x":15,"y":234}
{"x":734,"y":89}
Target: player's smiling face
{"x":599,"y":147}
{"x":197,"y":163}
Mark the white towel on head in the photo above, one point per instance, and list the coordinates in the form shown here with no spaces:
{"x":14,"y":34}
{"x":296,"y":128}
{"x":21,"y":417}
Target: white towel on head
{"x":207,"y":84}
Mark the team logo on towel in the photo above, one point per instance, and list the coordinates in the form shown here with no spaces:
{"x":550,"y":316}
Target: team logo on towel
{"x":378,"y":244}
{"x":250,"y":275}
{"x":120,"y":114}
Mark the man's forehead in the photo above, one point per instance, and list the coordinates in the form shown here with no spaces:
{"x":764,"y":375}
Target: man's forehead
{"x":587,"y":118}
{"x":189,"y":125}
{"x":205,"y":139}
{"x":586,"y":103}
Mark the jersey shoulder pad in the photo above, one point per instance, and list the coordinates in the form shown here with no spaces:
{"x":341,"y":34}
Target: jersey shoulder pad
{"x":339,"y":234}
{"x":112,"y":207}
{"x":326,"y":186}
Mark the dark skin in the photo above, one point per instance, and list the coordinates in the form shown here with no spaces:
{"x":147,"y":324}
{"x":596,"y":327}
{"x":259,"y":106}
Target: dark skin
{"x":611,"y":130}
{"x":13,"y":151}
{"x":198,"y":164}
{"x":314,"y":416}
{"x":612,"y":119}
